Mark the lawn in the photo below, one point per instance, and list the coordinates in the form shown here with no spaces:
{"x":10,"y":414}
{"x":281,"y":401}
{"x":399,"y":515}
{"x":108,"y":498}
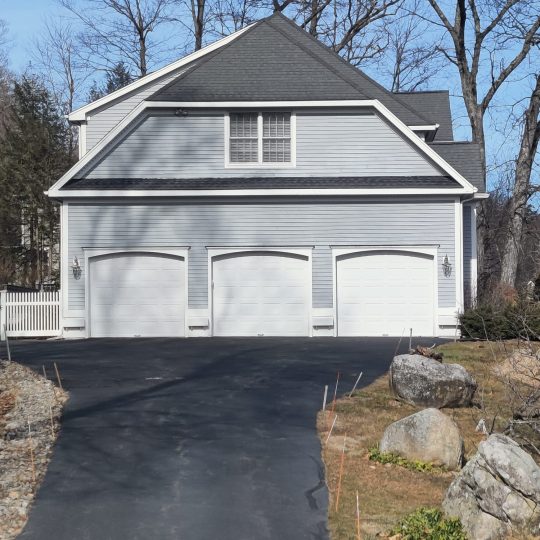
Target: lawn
{"x":389,"y":492}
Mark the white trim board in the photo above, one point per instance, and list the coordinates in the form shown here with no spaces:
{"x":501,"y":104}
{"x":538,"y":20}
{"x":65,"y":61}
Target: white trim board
{"x":54,"y":191}
{"x":80,"y":114}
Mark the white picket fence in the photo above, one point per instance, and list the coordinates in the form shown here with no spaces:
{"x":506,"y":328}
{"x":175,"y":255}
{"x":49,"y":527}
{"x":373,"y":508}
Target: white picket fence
{"x":29,"y":314}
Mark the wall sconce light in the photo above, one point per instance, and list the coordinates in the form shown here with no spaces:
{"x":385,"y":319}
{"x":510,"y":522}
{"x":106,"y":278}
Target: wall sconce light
{"x":76,"y":267}
{"x":447,"y":267}
{"x":181,"y":112}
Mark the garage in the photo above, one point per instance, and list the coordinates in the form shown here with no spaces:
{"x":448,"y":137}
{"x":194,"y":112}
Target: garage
{"x":385,"y":293}
{"x":261,"y":293}
{"x":137,"y":294}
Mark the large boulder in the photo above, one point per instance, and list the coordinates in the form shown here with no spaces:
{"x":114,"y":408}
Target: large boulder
{"x":497,"y":494}
{"x":428,"y":436}
{"x":422,"y":381}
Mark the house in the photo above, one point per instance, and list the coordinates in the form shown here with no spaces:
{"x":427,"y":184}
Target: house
{"x":263,"y":186}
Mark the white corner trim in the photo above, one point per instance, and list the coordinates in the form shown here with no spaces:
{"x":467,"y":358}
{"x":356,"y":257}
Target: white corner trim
{"x":430,"y":250}
{"x":468,"y":188}
{"x":82,"y":139}
{"x":458,"y":254}
{"x":474,"y":261}
{"x":91,"y":253}
{"x":79,"y":114}
{"x":64,"y":254}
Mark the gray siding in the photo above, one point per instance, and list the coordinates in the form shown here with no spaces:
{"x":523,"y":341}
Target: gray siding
{"x":328,"y":144}
{"x":308,"y":222}
{"x":103,"y":120}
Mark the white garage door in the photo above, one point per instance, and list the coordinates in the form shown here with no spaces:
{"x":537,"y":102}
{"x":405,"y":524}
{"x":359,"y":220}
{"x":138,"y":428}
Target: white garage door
{"x":137,"y":294}
{"x":385,"y":293}
{"x":261,"y":294}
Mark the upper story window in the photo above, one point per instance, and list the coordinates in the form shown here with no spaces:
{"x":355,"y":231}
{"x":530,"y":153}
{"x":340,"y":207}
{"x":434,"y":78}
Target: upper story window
{"x":260,"y":138}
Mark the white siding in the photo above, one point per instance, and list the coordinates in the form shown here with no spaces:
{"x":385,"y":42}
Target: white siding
{"x":334,"y":143}
{"x":307,"y":222}
{"x":100,"y":122}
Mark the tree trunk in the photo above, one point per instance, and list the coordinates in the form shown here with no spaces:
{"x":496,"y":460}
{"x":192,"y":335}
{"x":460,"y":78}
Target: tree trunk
{"x":197,"y":12}
{"x":521,"y":191}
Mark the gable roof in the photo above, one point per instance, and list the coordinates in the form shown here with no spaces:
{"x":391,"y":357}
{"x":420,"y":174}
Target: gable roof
{"x":185,"y":62}
{"x":275,"y":60}
{"x":435,"y":106}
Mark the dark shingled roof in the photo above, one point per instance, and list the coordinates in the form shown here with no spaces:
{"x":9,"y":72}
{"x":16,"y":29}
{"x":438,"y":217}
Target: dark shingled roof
{"x":465,"y":158}
{"x":435,"y":106}
{"x":275,"y":60}
{"x":341,"y":182}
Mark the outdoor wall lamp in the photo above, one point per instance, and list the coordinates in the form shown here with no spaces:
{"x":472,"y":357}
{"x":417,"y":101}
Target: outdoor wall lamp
{"x":447,"y":267}
{"x":76,"y":267}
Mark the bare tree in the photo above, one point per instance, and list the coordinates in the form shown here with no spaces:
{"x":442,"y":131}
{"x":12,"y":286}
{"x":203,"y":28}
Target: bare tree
{"x":411,"y":57}
{"x":120,"y":30}
{"x":478,"y":52}
{"x":55,"y":56}
{"x":353,"y":28}
{"x":197,"y":14}
{"x":4,"y":41}
{"x":521,"y":191}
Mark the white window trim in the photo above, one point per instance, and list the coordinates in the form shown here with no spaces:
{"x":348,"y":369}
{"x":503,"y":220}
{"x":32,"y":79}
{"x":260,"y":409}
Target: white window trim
{"x":213,"y":252}
{"x":91,"y":253}
{"x":260,"y":163}
{"x":431,"y":251}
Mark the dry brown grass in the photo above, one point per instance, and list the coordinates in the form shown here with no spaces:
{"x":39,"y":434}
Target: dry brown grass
{"x":389,"y":492}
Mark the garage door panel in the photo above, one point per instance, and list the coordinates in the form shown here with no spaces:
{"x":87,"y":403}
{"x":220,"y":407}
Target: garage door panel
{"x":385,"y":293}
{"x":136,"y":294}
{"x":260,"y":293}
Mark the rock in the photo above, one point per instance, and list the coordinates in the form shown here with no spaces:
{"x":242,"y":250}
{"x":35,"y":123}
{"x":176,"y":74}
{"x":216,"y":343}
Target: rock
{"x":497,"y":493}
{"x":428,"y":436}
{"x":421,"y":381}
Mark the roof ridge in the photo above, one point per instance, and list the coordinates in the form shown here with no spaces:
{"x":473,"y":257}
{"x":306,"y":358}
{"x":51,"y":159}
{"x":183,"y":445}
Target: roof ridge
{"x":356,"y":70}
{"x":205,"y":59}
{"x":442,"y":91}
{"x":307,"y":51}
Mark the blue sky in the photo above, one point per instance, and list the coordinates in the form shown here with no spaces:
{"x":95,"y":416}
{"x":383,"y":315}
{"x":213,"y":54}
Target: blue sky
{"x":25,"y":19}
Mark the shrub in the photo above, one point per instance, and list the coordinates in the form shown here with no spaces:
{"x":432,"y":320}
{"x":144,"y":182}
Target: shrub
{"x":509,"y":320}
{"x":429,"y":524}
{"x":375,"y":454}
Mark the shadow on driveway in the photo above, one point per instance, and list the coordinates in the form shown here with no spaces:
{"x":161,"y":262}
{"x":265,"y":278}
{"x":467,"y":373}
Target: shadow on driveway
{"x":192,"y":439}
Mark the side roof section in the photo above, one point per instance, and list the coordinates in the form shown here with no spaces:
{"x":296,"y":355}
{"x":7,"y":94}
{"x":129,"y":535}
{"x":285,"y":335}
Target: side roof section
{"x":465,"y":158}
{"x":435,"y":106}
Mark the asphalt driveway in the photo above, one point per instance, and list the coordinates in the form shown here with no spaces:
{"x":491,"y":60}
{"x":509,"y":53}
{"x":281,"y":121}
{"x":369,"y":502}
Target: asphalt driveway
{"x":192,"y":439}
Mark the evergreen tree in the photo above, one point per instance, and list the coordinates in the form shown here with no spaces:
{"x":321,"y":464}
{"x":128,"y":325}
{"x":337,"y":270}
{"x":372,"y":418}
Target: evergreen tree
{"x":116,"y":78}
{"x":33,"y":155}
